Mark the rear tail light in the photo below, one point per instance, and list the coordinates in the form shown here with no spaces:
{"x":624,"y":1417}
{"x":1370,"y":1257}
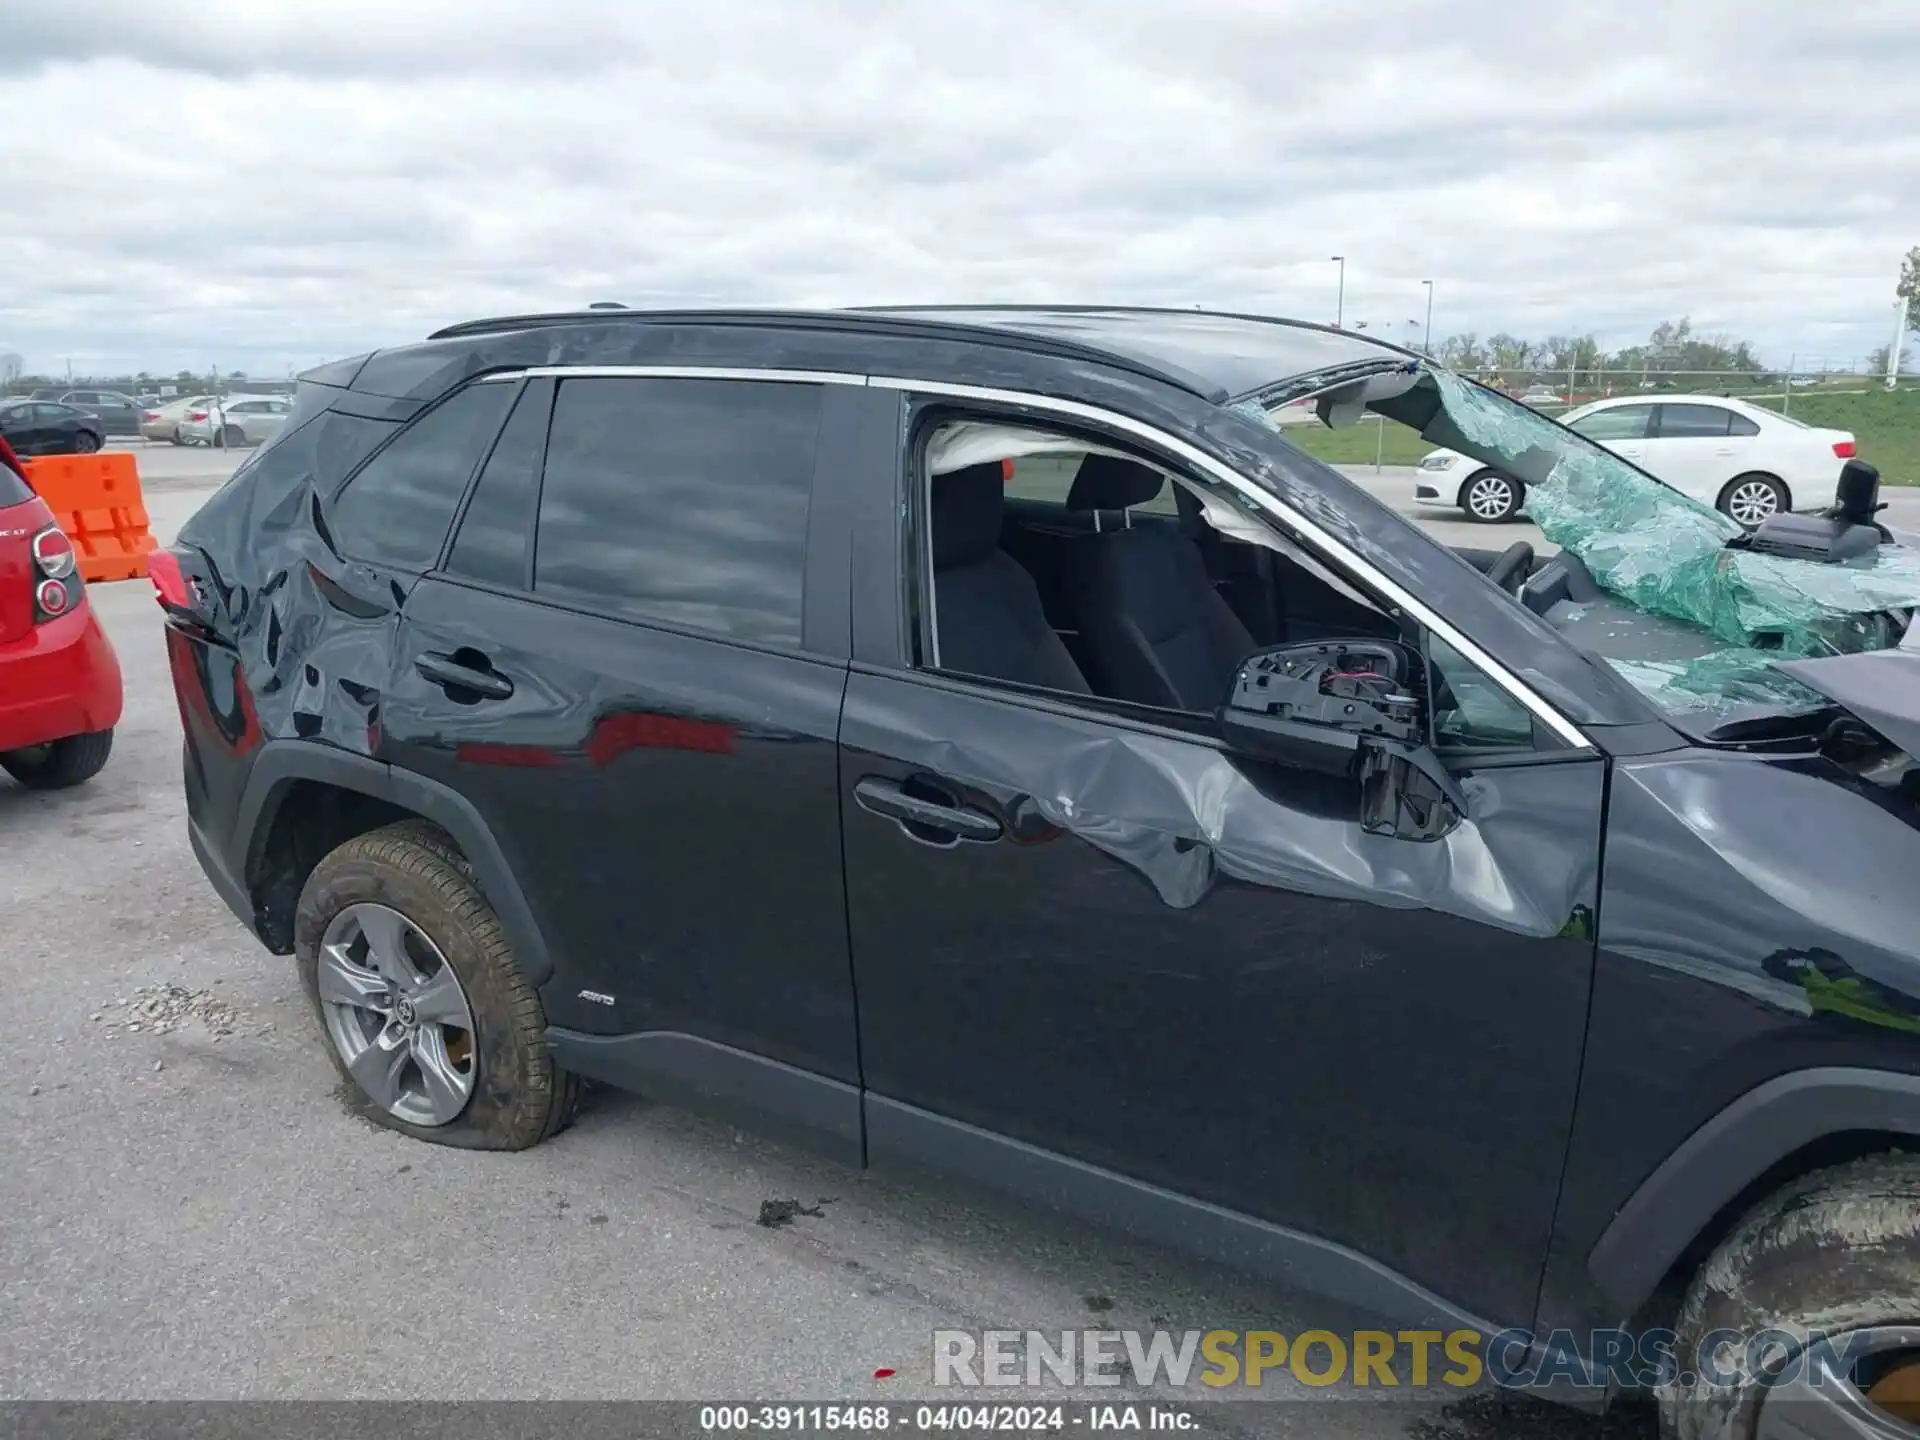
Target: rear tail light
{"x":53,"y":553}
{"x":149,"y":416}
{"x":196,"y":415}
{"x":52,"y":598}
{"x":1844,"y":449}
{"x":169,"y":583}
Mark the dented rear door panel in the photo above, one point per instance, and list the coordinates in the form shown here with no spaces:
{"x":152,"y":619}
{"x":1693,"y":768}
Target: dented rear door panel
{"x":668,"y":804}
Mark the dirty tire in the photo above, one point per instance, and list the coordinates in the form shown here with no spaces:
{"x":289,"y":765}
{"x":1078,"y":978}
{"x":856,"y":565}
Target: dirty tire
{"x":520,"y":1095}
{"x":1837,"y":1250}
{"x":64,"y":763}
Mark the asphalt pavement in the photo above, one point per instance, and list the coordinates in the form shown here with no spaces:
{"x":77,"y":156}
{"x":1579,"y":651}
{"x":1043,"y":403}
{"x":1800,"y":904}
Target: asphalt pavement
{"x":188,"y":1210}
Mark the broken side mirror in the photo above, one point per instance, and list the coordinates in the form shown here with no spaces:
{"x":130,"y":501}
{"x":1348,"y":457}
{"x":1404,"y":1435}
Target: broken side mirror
{"x":1351,"y":708}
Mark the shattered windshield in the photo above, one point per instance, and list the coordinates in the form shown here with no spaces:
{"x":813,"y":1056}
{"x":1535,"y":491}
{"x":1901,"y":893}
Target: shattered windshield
{"x":1661,"y":557}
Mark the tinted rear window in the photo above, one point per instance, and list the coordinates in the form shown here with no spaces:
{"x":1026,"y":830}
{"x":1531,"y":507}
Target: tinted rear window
{"x":396,"y":511}
{"x":1682,"y":421}
{"x":681,"y":501}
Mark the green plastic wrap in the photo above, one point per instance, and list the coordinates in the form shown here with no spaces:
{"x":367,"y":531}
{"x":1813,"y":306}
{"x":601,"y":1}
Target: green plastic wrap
{"x":1664,"y":552}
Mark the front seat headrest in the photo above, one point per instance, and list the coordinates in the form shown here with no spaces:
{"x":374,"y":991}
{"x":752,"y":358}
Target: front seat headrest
{"x":967,"y":507}
{"x":1108,"y":482}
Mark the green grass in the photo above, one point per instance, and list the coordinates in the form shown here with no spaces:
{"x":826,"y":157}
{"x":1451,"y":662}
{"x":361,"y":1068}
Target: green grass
{"x":1396,"y":444}
{"x":1886,"y":424}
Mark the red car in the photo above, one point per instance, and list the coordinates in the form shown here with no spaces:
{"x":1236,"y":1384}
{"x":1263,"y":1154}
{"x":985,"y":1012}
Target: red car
{"x":59,"y":678}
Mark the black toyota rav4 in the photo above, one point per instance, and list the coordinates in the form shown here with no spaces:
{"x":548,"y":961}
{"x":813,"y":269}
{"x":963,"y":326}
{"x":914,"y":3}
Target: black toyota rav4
{"x":980,"y":739}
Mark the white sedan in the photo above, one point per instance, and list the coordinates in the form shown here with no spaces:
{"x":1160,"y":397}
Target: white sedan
{"x":1745,"y":460}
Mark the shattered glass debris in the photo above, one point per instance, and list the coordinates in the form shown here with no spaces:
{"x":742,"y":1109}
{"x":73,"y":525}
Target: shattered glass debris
{"x":1666,"y":553}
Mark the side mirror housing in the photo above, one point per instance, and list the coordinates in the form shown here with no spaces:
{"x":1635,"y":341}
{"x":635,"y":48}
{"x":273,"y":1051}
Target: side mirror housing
{"x":1348,"y":708}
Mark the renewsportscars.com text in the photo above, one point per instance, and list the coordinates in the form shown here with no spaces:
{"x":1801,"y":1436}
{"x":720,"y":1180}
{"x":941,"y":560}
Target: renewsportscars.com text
{"x":1374,"y":1359}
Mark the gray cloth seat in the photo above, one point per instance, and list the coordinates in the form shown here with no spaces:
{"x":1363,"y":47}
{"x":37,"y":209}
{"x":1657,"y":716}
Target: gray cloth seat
{"x":986,"y":606}
{"x":1153,"y":628}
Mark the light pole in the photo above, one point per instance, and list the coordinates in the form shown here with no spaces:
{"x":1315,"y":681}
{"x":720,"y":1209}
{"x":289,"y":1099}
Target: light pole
{"x":1340,"y":301}
{"x":1427,"y":344}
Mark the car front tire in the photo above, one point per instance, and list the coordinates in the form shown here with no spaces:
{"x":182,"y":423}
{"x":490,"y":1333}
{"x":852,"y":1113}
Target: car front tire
{"x":1838,"y":1253}
{"x":431,"y":1023}
{"x":85,"y":443}
{"x":1490,"y":498}
{"x":60,"y":764}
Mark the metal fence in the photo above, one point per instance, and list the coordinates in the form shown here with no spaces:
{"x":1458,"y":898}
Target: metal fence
{"x":1576,"y":385}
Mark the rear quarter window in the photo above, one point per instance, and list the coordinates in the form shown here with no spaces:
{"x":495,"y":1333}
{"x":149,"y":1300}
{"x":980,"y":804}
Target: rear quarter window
{"x":493,"y":542}
{"x":396,"y":511}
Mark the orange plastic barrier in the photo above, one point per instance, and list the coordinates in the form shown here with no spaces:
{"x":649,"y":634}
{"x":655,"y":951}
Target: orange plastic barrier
{"x":96,"y":500}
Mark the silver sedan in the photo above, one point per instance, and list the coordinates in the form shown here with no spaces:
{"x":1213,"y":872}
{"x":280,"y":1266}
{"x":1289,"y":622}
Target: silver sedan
{"x":235,"y":420}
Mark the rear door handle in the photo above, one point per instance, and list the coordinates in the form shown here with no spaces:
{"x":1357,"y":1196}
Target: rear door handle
{"x":450,"y":674}
{"x":890,"y":798}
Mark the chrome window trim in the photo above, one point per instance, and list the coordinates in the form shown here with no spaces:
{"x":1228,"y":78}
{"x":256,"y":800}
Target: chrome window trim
{"x":685,"y":372}
{"x":1328,"y":547}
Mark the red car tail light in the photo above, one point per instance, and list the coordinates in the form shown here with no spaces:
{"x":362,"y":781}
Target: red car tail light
{"x":53,"y":553}
{"x":196,"y":416}
{"x":1844,"y":449}
{"x":52,"y":598}
{"x":149,"y":416}
{"x":169,"y":584}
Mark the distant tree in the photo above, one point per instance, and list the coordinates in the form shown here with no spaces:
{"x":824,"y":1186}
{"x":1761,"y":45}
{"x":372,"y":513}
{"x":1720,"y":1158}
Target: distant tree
{"x":1462,"y":352}
{"x":1910,"y":287}
{"x":1877,"y":361}
{"x":1508,"y":352}
{"x":1672,"y":345}
{"x":185,"y":376}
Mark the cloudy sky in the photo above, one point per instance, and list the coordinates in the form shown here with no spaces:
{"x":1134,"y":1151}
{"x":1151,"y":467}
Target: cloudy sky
{"x":259,"y":186}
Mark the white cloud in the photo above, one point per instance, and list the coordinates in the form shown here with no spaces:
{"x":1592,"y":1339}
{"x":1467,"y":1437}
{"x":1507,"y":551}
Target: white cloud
{"x":260,"y":188}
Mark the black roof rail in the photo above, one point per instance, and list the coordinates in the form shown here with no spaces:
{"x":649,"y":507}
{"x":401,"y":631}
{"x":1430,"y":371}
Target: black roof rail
{"x":1283,"y":321}
{"x":855,"y":320}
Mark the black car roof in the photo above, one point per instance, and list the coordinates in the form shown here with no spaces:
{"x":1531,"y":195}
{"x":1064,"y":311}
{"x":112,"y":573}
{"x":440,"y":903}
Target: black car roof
{"x":1216,"y":354}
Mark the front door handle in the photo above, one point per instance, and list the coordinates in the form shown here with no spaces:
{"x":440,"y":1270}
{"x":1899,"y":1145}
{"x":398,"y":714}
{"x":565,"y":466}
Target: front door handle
{"x":891,"y":799}
{"x":450,"y":673}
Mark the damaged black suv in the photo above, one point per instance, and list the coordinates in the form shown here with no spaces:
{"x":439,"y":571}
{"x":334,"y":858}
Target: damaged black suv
{"x":980,"y":739}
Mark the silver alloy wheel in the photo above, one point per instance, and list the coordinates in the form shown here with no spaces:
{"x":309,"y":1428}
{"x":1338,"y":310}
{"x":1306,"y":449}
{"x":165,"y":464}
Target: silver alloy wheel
{"x":397,"y":1014}
{"x":1819,"y":1402}
{"x":1490,"y":496}
{"x":1752,"y":501}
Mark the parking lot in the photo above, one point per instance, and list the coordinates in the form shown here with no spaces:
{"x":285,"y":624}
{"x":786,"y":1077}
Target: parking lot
{"x":188,"y":1210}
